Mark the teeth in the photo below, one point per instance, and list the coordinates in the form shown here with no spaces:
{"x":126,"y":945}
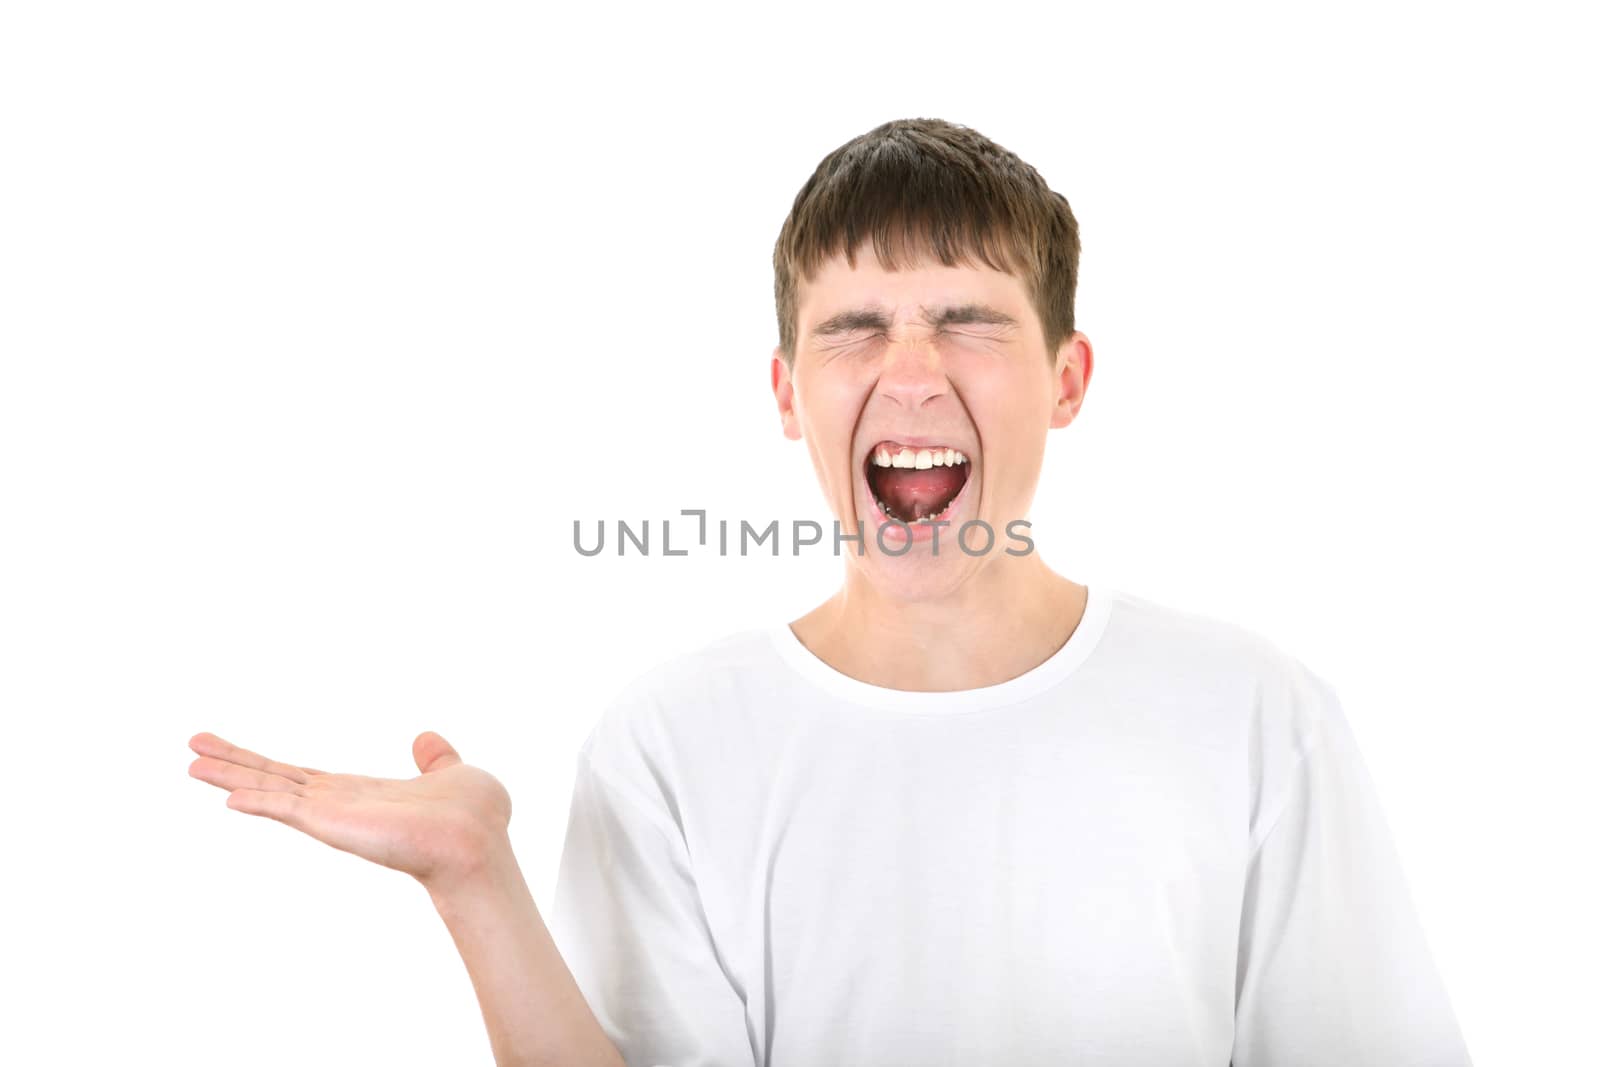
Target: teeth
{"x":918,"y":459}
{"x":887,"y":510}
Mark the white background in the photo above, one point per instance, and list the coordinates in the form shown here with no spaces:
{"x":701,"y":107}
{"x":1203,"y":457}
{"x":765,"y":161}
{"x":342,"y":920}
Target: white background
{"x":322,"y":322}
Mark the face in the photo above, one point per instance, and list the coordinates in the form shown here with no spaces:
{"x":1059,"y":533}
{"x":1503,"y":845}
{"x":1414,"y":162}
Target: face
{"x":924,"y":395}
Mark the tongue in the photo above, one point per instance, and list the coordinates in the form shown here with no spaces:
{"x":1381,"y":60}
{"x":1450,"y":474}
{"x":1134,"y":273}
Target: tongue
{"x":915,"y":493}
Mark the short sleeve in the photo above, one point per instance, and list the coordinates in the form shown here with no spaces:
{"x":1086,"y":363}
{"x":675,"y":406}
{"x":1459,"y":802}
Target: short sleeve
{"x":1333,"y":967}
{"x":628,"y":922}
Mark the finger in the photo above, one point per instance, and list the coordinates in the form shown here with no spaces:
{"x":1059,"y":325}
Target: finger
{"x":433,"y":753}
{"x":207,"y":744}
{"x":284,"y":807}
{"x":233,"y":776}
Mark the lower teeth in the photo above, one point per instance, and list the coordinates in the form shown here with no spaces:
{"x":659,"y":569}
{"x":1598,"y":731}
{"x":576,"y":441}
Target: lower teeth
{"x":926,"y":519}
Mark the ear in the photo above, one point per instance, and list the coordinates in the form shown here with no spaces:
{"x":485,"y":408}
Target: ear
{"x":1073,"y":366}
{"x":783,"y":390}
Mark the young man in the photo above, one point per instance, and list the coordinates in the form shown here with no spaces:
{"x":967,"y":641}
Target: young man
{"x":966,"y":810}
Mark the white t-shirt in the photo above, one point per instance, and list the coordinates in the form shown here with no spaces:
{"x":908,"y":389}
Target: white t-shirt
{"x":1158,"y":848}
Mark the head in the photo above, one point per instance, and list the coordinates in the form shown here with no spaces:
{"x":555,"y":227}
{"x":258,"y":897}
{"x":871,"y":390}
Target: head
{"x":924,"y":281}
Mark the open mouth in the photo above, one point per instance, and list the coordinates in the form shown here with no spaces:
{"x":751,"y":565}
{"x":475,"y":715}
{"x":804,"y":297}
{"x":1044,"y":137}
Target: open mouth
{"x":915,"y":484}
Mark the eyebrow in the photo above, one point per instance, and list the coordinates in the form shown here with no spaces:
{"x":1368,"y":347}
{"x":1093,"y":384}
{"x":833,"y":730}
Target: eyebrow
{"x":875,"y":318}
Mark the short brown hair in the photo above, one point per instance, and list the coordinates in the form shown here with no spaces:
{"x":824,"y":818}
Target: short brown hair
{"x":911,"y":185}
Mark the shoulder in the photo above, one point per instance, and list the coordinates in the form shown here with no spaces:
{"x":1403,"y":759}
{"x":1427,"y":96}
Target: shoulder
{"x":682,"y":703}
{"x":1186,"y":635}
{"x":695,"y":676}
{"x":1266,"y":694}
{"x":1260,"y":703}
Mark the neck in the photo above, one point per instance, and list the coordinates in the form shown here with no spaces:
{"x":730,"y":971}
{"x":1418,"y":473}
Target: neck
{"x":1004,"y":621}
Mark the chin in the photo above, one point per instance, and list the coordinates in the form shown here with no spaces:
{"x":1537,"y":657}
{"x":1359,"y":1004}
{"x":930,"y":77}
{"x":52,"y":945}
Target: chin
{"x":912,"y":579}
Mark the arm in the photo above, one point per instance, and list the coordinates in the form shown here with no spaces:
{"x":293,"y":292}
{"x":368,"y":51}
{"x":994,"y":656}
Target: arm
{"x":628,"y":915}
{"x":1334,"y":968}
{"x":535,"y":1013}
{"x":447,"y":829}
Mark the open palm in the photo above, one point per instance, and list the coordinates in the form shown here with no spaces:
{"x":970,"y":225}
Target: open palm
{"x":438,"y":825}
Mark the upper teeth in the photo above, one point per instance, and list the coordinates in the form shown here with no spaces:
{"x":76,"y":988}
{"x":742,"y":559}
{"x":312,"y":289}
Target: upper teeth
{"x":918,"y":458}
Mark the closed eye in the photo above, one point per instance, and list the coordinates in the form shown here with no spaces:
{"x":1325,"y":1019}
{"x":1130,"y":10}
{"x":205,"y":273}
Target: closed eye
{"x":846,"y":340}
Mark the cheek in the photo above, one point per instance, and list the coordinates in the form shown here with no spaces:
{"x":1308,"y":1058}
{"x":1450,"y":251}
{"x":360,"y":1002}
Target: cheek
{"x":830,"y":405}
{"x":827,"y":417}
{"x":1012,"y":419}
{"x":827,"y":400}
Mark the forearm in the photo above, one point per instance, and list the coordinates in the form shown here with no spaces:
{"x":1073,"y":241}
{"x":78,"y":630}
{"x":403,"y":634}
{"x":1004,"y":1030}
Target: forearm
{"x":534,"y":1010}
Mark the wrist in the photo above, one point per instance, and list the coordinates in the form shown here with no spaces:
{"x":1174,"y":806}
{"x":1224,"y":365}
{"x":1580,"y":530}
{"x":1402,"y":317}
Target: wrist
{"x":487,"y":871}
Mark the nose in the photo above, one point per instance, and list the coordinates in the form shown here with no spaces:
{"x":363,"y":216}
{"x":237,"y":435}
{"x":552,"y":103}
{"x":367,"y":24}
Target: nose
{"x":912,"y":372}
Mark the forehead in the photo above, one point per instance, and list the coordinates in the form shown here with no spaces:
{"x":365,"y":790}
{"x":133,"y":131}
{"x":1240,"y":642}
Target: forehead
{"x":925,"y":283}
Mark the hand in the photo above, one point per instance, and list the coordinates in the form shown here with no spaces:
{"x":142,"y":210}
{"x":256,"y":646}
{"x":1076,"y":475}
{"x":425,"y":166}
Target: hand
{"x":440,"y":827}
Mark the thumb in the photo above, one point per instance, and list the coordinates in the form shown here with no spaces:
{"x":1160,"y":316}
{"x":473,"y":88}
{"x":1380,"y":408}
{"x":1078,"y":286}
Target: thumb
{"x":433,"y":753}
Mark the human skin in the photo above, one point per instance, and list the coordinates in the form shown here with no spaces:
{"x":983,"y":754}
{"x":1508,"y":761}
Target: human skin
{"x":924,"y":621}
{"x":447,"y":828}
{"x":921,"y":621}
